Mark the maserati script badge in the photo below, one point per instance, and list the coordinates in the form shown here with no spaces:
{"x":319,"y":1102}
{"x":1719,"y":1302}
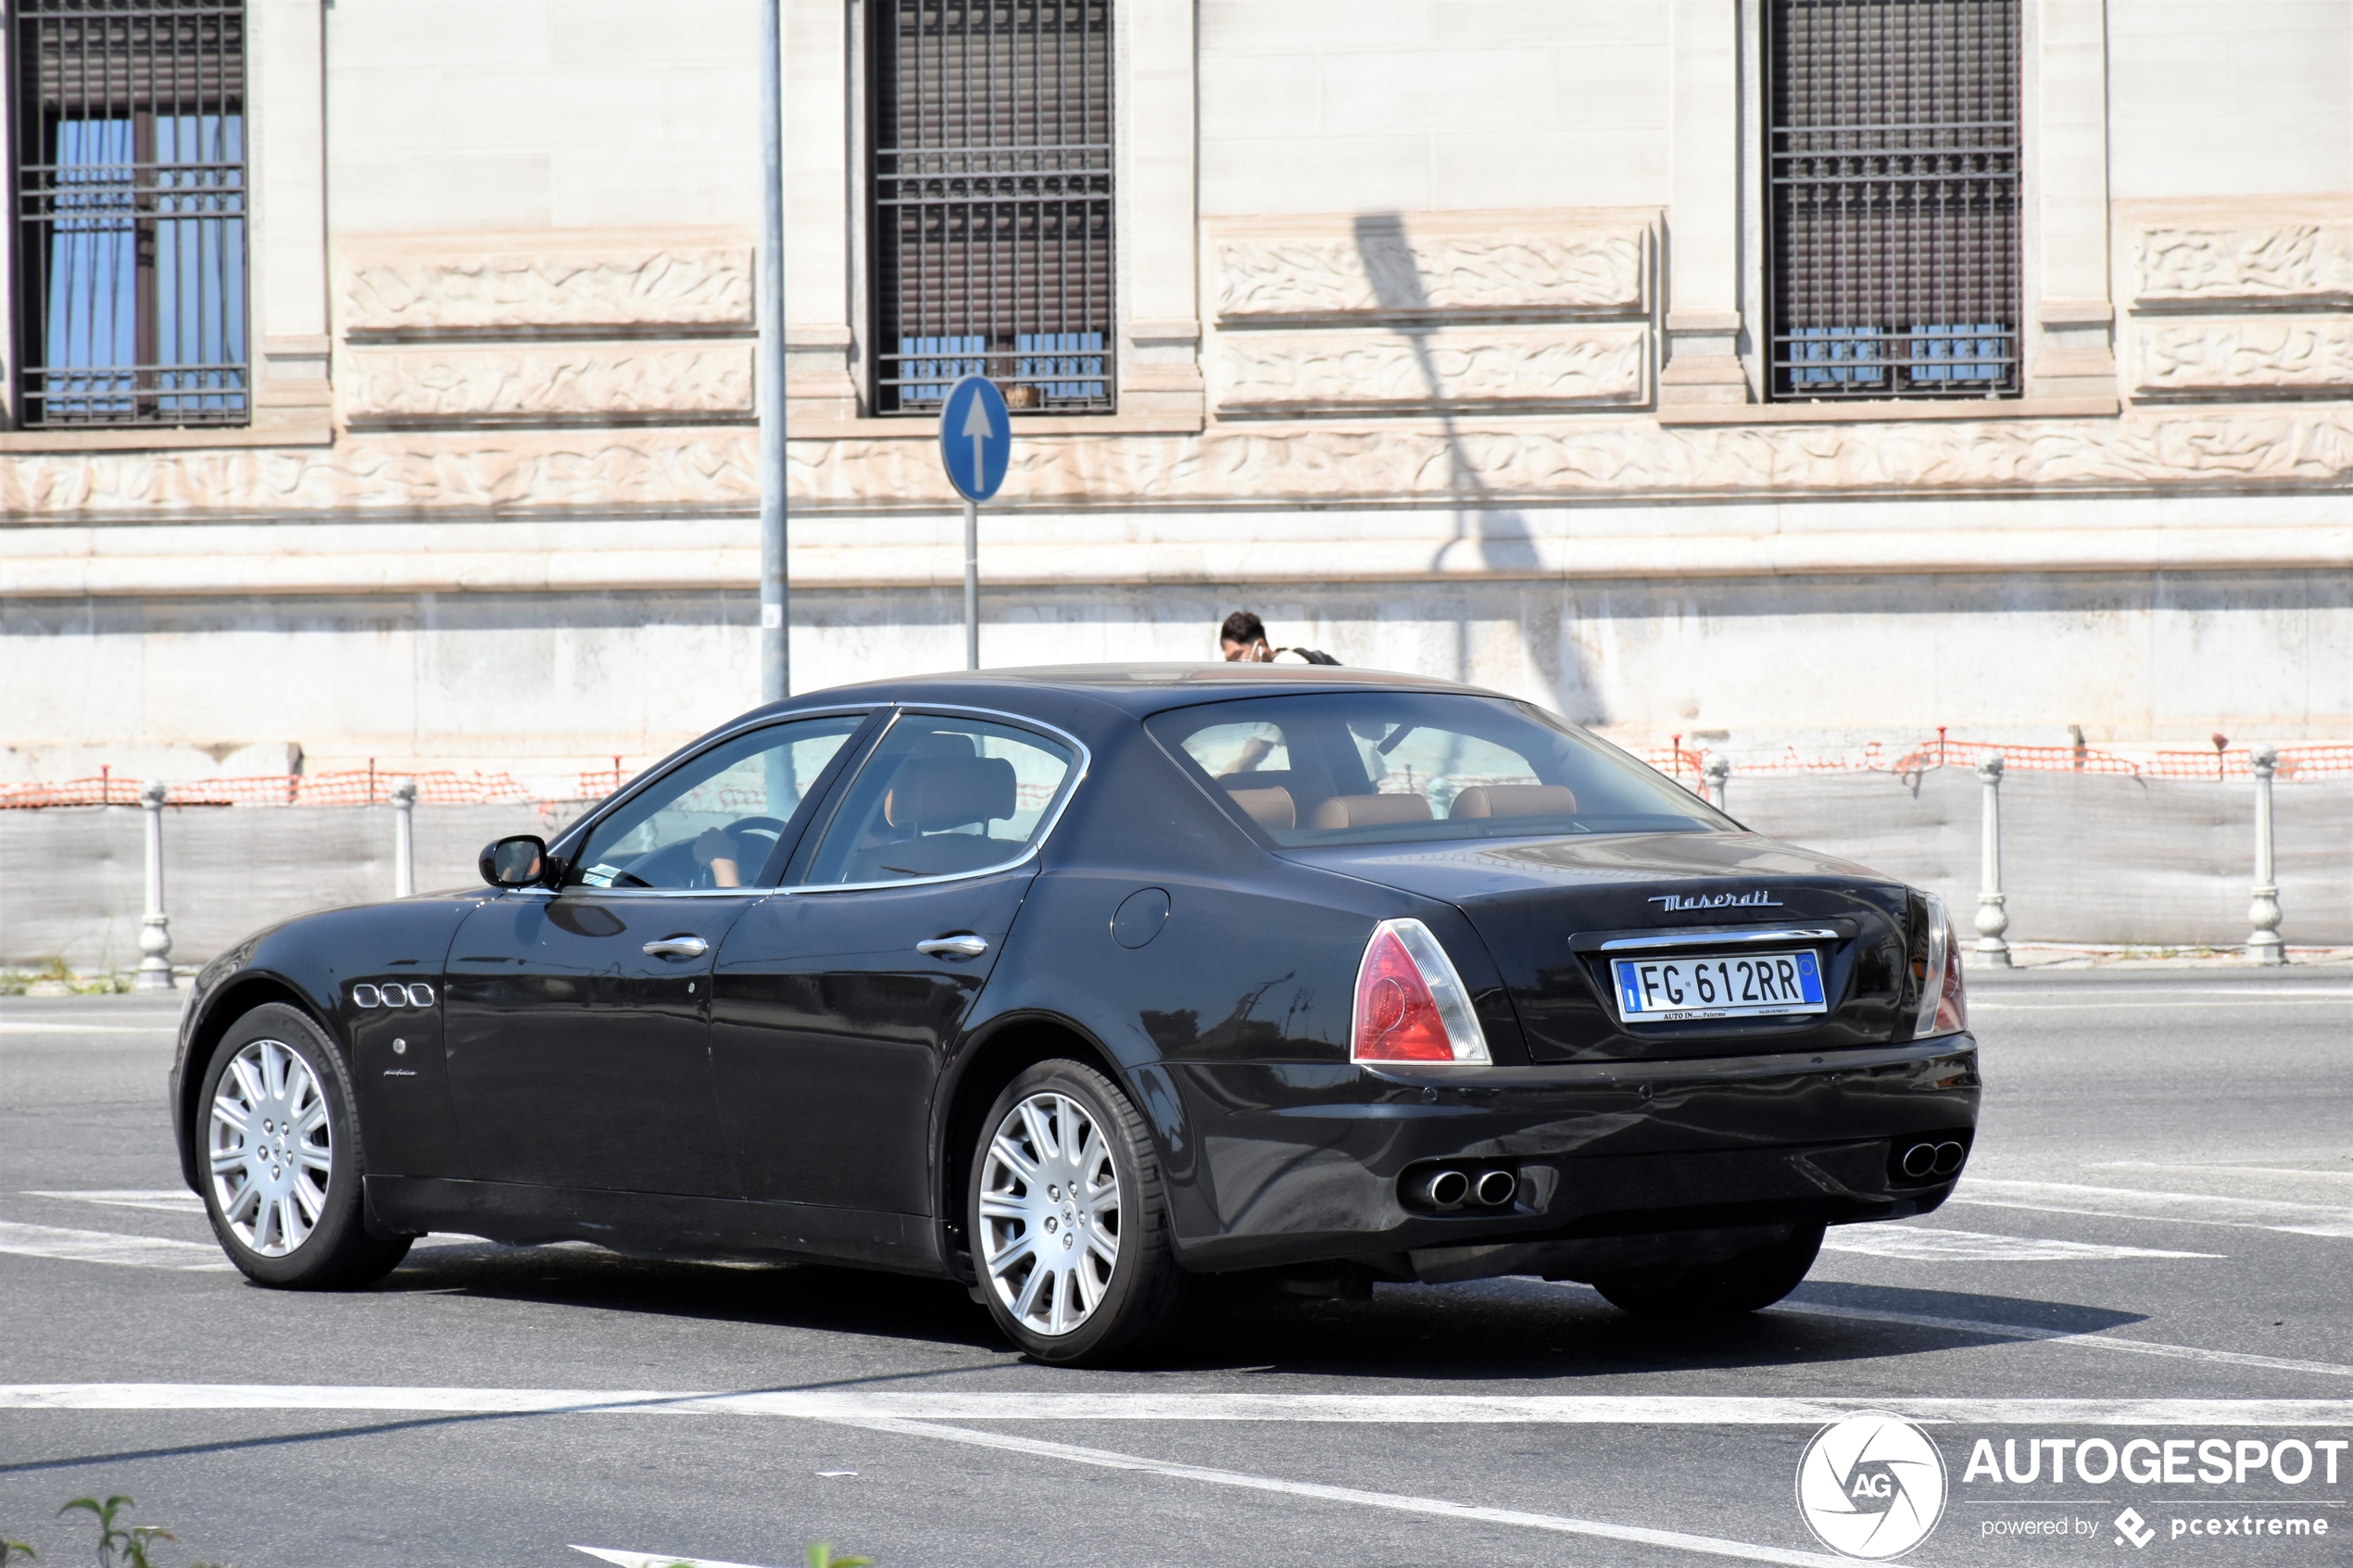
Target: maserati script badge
{"x":1670,"y":902}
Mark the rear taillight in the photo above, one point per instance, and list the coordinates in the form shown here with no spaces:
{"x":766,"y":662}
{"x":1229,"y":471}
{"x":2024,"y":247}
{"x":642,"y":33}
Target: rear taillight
{"x":1410,"y":1004}
{"x":1937,"y":969}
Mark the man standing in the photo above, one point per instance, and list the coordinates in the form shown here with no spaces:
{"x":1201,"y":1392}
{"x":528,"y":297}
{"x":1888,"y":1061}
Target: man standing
{"x":1243,"y":640}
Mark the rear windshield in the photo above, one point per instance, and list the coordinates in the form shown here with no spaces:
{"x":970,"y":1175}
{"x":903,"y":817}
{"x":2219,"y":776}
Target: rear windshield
{"x":1410,"y":766}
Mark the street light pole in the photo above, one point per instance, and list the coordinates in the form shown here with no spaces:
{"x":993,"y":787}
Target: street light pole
{"x":775,"y":622}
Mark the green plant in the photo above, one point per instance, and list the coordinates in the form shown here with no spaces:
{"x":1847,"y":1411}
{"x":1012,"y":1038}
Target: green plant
{"x":821,"y":1555}
{"x":10,"y":1551}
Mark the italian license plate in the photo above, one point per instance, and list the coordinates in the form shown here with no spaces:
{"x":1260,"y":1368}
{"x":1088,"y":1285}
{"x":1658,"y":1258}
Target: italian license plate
{"x":1719,"y":985}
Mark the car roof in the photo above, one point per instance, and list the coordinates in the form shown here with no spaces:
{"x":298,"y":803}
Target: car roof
{"x":1136,"y":689}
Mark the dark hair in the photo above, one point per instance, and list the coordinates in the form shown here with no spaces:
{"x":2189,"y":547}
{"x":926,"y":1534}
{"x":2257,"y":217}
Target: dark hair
{"x":1242,"y":627}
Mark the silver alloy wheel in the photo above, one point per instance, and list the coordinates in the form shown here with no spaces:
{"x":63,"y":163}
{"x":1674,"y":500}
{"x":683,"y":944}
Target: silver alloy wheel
{"x":272,"y":1151}
{"x":1049,"y":1213}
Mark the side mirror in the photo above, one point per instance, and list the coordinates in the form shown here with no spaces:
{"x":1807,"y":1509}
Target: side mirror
{"x":520,"y":862}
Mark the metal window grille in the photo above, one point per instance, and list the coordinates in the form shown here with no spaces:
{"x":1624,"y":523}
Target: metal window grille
{"x":1893,"y":232}
{"x":992,"y":202}
{"x":131,"y":211}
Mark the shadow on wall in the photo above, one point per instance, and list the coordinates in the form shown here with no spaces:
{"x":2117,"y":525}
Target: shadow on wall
{"x":1496,"y":535}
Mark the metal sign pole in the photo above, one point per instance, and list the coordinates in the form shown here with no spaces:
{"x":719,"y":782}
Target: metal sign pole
{"x":775,"y":620}
{"x":975,"y":446}
{"x":972,"y":585}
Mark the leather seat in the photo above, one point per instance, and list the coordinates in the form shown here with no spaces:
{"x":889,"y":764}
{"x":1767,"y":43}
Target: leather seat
{"x":1369,"y":810}
{"x":1514,"y":801}
{"x":1271,"y":808}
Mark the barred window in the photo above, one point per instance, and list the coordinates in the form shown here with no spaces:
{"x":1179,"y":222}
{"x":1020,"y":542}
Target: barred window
{"x":1892,"y":244}
{"x":992,"y":202}
{"x":130,"y":157}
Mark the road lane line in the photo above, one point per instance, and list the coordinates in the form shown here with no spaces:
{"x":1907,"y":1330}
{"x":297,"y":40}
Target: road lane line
{"x":654,"y":1558}
{"x":1470,"y":1513}
{"x":2141,"y":1203}
{"x":2228,"y":1170}
{"x":1976,"y":1004}
{"x":2071,"y":1336}
{"x":21,"y":1026}
{"x":165,"y":1200}
{"x":995,"y":1405}
{"x":107,"y":1247}
{"x":1925,"y":1245}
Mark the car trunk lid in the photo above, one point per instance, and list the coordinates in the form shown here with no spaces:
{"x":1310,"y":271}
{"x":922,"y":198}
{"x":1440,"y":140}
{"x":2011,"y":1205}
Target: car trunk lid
{"x":1555,"y":913}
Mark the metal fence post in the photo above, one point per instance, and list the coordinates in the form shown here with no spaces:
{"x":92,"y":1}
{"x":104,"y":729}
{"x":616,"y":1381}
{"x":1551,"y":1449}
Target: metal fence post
{"x":2263,"y":944}
{"x":1718,"y":773}
{"x":154,"y":929}
{"x":1993,"y":916}
{"x":404,"y":837}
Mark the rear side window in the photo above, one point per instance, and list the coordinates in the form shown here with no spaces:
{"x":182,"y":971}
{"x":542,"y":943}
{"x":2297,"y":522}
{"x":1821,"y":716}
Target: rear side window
{"x":942,"y":797}
{"x":1402,"y":767}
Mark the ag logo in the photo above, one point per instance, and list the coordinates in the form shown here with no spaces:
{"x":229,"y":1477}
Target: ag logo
{"x":1872,"y":1486}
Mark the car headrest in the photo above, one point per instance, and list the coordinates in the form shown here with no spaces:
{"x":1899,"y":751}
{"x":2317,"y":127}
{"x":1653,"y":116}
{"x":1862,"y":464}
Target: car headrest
{"x":1515,"y":800}
{"x":931,"y":793}
{"x":1369,"y":810}
{"x":1272,"y":808}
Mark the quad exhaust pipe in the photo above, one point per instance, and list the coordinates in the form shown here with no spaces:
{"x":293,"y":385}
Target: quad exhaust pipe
{"x":1450,"y":1188}
{"x":1925,"y":1160}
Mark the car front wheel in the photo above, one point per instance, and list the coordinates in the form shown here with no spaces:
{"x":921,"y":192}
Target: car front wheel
{"x":1746,"y":1282}
{"x":1069,"y":1220}
{"x":282,"y":1157}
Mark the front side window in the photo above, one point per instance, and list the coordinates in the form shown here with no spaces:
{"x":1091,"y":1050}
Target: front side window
{"x":992,"y":202}
{"x":942,"y":797}
{"x":713,"y":822}
{"x":1405,"y":767}
{"x":129,"y":162}
{"x":1892,"y":220}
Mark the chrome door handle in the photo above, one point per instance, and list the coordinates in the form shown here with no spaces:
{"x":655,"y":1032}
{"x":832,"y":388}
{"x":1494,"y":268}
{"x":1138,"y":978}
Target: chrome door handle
{"x":953,"y":946}
{"x":677,"y":948}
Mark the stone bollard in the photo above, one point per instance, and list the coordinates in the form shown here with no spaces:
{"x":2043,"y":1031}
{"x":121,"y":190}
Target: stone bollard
{"x":404,"y":837}
{"x":2263,"y":944}
{"x":1718,"y":771}
{"x":1993,"y":916}
{"x":154,"y":929}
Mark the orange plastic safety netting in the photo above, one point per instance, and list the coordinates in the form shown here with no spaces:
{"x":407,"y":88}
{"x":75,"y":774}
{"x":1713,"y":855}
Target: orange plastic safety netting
{"x":355,"y":786}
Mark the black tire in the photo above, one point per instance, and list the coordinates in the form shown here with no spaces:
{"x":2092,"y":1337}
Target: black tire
{"x":1753,"y":1280}
{"x":336,"y":1253}
{"x":1142,"y":1302}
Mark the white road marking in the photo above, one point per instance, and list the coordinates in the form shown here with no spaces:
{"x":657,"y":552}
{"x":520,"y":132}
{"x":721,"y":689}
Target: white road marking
{"x":1071,"y":1454}
{"x":1977,"y":1004}
{"x":2229,"y":1170}
{"x":2091,"y":1341}
{"x":106,"y":1247}
{"x":994,"y":1405}
{"x":25,"y":1026}
{"x":1924,"y":1245}
{"x":167,"y":1201}
{"x":654,"y":1560}
{"x":2173,"y":1208}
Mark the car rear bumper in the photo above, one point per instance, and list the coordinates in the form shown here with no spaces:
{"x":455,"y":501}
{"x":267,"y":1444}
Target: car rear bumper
{"x":1292,"y":1163}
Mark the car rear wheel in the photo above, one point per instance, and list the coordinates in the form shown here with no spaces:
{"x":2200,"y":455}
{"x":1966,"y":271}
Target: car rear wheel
{"x":1746,"y":1282}
{"x":282,"y":1157}
{"x":1069,"y":1220}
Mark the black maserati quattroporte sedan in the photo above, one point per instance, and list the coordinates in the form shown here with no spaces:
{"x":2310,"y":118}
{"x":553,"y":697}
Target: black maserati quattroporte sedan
{"x":1077,"y":986}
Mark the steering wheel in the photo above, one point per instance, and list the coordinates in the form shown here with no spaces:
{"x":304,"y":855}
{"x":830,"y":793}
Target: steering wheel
{"x":771,"y":826}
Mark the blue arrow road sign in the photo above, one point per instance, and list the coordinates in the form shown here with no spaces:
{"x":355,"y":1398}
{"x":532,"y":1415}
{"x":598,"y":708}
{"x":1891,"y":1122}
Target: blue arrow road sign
{"x":976,"y":437}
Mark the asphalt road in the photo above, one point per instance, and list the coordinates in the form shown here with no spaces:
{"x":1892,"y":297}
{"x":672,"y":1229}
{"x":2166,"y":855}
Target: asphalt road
{"x":2152,"y":1243}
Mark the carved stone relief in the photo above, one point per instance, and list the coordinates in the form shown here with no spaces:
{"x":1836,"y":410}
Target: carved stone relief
{"x":1397,"y":270}
{"x":2248,"y":355}
{"x":2281,"y":262}
{"x":455,"y":382}
{"x":1526,"y":459}
{"x":423,"y":291}
{"x":1341,"y":370}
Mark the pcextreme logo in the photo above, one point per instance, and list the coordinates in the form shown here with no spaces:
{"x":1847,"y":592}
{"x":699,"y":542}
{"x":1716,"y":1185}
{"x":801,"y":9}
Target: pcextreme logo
{"x":1872,"y":1486}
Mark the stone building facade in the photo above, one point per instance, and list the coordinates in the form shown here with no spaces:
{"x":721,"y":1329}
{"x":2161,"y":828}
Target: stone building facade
{"x":1444,"y":334}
